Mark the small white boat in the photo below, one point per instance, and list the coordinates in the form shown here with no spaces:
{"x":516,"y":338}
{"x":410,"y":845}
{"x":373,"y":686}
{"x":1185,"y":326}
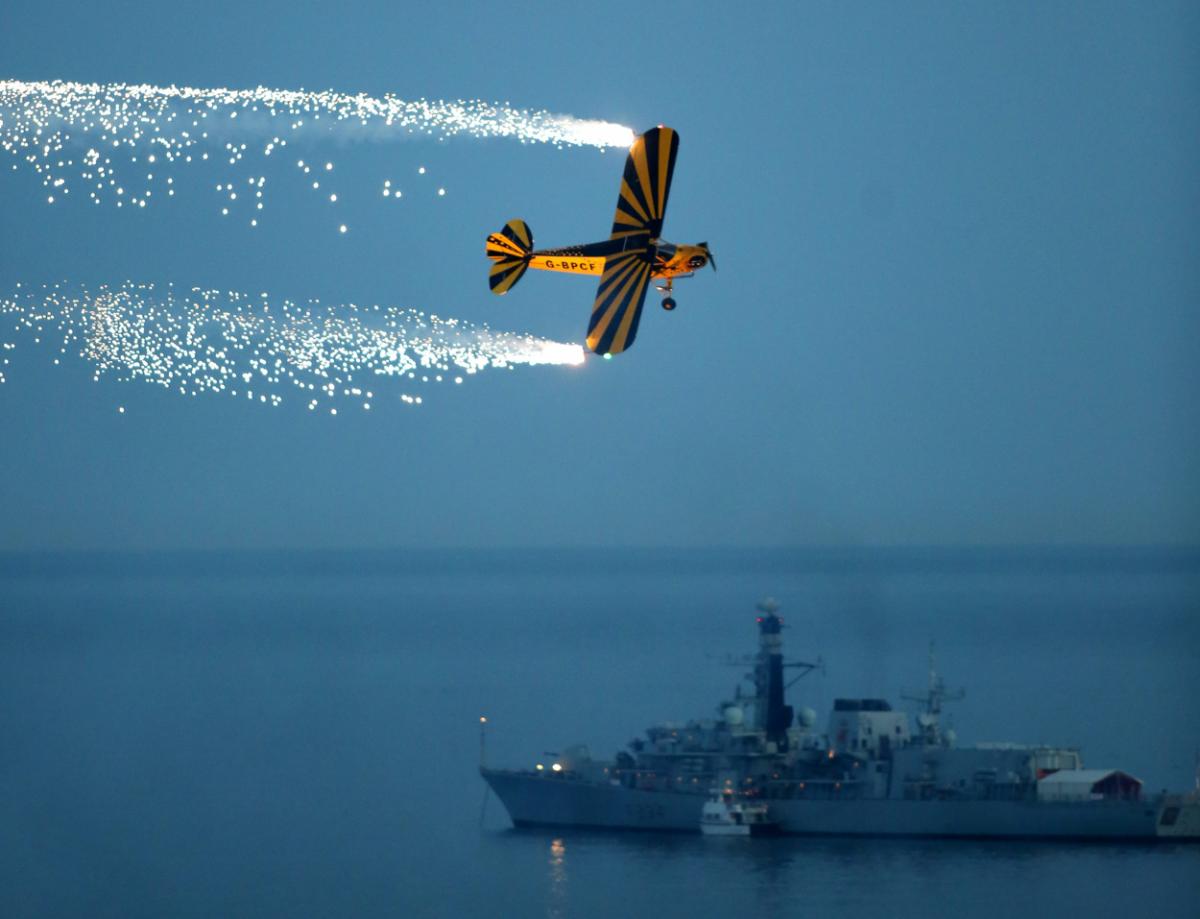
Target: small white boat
{"x":723,"y":816}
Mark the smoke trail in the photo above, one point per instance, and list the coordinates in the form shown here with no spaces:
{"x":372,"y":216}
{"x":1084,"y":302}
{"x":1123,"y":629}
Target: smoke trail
{"x":73,"y":131}
{"x":263,"y":350}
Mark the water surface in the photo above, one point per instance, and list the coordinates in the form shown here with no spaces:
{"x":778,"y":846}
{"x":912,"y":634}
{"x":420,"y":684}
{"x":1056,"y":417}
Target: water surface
{"x":297,"y":735}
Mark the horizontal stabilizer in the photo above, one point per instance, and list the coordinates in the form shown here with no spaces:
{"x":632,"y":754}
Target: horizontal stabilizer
{"x":505,"y":273}
{"x":515,"y":238}
{"x":509,"y":250}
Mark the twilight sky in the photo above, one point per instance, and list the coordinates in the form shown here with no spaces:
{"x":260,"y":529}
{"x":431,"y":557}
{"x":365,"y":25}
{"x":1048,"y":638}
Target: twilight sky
{"x":957,"y":301}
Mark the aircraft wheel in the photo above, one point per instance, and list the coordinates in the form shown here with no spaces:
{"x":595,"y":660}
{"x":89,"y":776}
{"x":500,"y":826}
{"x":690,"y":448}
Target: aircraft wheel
{"x":668,"y":303}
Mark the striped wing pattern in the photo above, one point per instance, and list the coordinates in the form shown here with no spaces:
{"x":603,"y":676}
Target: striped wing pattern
{"x":619,"y":300}
{"x":646,"y":184}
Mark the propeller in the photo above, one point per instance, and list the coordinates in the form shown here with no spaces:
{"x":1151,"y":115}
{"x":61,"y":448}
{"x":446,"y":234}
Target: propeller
{"x":708,"y":252}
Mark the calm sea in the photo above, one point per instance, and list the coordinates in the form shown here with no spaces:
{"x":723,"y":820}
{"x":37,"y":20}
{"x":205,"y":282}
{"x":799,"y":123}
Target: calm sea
{"x":297,"y":735}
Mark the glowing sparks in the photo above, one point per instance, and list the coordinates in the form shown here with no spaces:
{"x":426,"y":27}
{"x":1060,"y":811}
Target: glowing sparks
{"x":252,"y":348}
{"x":127,"y":145}
{"x":86,"y":133}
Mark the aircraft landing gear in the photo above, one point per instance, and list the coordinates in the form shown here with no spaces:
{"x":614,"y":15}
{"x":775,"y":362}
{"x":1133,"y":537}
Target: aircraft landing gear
{"x":668,"y":301}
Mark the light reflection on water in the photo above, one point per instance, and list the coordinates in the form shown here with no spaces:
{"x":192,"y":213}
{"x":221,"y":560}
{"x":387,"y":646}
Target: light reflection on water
{"x":558,"y":898}
{"x":679,"y":874}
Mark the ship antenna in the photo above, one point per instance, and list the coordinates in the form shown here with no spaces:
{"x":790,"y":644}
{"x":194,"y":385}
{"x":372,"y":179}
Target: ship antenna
{"x":482,"y":751}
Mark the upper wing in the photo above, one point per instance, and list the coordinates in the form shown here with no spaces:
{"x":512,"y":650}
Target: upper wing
{"x":646,"y":183}
{"x":619,"y":300}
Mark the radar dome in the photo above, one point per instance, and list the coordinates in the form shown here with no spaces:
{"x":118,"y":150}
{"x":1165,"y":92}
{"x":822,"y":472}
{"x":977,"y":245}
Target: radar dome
{"x":951,"y":737}
{"x":733,"y":715}
{"x":807,"y":717}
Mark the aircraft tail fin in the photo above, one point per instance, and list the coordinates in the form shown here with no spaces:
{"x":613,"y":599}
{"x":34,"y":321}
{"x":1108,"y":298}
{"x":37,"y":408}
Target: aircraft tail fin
{"x":509,"y":251}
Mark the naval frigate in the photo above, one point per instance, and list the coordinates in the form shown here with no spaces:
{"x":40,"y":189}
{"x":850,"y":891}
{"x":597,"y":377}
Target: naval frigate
{"x":870,"y":772}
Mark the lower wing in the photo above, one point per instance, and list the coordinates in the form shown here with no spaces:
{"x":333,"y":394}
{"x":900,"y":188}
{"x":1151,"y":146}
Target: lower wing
{"x":619,"y":299}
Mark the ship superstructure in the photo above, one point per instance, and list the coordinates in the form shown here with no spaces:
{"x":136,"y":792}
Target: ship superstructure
{"x":867,"y":772}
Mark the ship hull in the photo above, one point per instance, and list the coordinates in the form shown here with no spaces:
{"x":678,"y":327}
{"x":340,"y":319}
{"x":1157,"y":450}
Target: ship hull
{"x":535,"y":801}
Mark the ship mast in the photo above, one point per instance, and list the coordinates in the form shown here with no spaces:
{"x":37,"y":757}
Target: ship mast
{"x":929,"y":719}
{"x":771,"y":715}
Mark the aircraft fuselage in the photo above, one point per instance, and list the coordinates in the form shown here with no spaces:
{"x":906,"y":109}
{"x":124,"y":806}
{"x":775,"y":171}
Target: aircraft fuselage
{"x":669,"y":260}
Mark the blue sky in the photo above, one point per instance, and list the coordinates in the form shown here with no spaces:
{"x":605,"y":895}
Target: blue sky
{"x":957,"y":299}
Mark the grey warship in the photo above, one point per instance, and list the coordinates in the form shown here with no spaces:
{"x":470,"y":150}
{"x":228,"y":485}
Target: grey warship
{"x":868,"y":773}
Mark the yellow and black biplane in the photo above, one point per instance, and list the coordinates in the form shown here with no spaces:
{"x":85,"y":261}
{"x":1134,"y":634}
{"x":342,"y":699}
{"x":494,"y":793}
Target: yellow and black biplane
{"x":626,"y":261}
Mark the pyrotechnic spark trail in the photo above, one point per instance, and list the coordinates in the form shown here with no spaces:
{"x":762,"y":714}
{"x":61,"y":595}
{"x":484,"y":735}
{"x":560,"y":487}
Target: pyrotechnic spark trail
{"x":255,"y":348}
{"x":88,"y":132}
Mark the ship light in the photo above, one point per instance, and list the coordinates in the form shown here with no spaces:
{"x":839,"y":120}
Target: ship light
{"x":540,"y":767}
{"x":831,"y":754}
{"x":557,"y":767}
